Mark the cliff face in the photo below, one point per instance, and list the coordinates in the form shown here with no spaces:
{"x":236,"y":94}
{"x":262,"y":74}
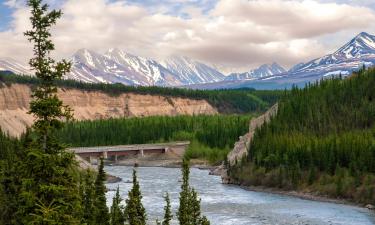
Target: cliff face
{"x":90,"y":105}
{"x":241,"y":147}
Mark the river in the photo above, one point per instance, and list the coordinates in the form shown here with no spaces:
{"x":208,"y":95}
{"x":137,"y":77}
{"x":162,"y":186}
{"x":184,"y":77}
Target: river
{"x":225,"y":204}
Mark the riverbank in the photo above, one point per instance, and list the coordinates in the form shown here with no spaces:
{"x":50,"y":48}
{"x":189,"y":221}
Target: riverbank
{"x":301,"y":195}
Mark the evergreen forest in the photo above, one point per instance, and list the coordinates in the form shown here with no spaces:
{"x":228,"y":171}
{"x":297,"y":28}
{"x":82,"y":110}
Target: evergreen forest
{"x":322,"y":141}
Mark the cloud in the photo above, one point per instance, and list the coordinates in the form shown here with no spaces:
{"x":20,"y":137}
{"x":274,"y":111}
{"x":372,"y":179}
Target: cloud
{"x":235,"y":33}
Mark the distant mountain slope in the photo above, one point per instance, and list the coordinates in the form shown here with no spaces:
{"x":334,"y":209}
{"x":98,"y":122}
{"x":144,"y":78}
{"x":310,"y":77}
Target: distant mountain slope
{"x":358,"y":50}
{"x":117,"y":66}
{"x":263,"y":71}
{"x":11,"y":65}
{"x":192,"y":72}
{"x":350,"y":57}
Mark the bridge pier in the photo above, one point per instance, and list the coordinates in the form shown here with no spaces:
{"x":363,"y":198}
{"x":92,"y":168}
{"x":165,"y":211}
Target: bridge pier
{"x":116,"y":158}
{"x":141,"y":153}
{"x":105,"y":155}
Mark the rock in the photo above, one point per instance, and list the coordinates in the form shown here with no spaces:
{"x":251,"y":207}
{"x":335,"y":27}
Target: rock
{"x":370,"y":207}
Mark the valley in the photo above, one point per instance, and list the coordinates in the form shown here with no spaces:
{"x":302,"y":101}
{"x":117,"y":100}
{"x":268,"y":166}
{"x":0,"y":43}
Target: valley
{"x":157,"y":112}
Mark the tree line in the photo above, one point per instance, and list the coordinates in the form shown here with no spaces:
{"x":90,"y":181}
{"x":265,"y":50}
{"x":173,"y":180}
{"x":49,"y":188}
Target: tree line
{"x":322,"y":139}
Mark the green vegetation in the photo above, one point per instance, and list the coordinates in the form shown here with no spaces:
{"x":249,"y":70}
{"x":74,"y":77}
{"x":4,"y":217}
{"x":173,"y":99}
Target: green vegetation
{"x":226,"y":101}
{"x":48,"y":190}
{"x":117,"y":210}
{"x":134,"y":212}
{"x":211,"y":136}
{"x":100,"y":202}
{"x":189,"y":212}
{"x":322,"y":140}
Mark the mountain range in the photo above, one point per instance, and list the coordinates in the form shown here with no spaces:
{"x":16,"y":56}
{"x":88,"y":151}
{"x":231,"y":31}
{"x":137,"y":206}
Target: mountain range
{"x":358,"y":52}
{"x":117,"y":66}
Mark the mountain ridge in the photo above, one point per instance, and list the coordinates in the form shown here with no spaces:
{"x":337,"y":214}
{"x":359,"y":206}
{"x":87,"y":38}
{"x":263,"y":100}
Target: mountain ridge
{"x":117,"y":66}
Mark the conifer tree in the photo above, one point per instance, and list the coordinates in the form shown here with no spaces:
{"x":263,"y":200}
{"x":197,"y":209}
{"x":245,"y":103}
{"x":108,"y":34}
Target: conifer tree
{"x":184,"y":210}
{"x":135,"y":213}
{"x":50,"y":190}
{"x":117,"y":210}
{"x":101,"y":215}
{"x":88,"y":199}
{"x":167,"y":211}
{"x":189,"y":212}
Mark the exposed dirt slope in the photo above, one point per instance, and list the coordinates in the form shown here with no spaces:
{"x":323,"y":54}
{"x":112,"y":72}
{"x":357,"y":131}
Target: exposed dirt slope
{"x":241,"y":147}
{"x":90,"y":105}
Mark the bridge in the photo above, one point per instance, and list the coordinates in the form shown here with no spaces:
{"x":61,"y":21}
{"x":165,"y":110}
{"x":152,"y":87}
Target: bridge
{"x":138,"y":150}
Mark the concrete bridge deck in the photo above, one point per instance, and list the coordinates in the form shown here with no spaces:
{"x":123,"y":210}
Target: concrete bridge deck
{"x":177,"y":148}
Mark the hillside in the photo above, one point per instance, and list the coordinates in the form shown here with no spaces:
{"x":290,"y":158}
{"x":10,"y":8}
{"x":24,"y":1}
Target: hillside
{"x":322,"y":141}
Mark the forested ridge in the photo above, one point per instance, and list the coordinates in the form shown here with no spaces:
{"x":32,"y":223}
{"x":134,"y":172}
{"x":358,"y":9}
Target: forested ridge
{"x":322,"y":140}
{"x":212,"y":136}
{"x":226,"y":101}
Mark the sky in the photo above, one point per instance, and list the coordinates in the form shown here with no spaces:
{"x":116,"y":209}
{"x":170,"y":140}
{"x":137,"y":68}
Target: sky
{"x":234,"y":35}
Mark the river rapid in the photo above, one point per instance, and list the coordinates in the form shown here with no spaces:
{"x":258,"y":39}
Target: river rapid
{"x":226,"y":204}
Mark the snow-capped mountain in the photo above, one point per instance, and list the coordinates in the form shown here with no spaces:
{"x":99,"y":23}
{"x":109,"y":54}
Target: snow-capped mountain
{"x":358,"y":52}
{"x":192,"y":72}
{"x":350,"y":56}
{"x":8,"y":64}
{"x":117,"y":66}
{"x":263,"y":71}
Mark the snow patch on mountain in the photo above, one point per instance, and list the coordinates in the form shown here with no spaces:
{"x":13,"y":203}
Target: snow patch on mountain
{"x":192,"y":72}
{"x":265,"y":70}
{"x":8,"y":64}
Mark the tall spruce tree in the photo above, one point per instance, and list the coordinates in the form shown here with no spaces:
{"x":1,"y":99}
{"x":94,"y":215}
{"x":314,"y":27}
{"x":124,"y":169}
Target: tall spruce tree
{"x":117,"y":210}
{"x":50,"y":190}
{"x":167,"y":211}
{"x":135,"y":213}
{"x":101,"y":215}
{"x":88,"y":198}
{"x":189,"y":212}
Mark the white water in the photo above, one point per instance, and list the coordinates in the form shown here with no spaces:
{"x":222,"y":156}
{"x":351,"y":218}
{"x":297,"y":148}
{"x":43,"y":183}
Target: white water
{"x":224,"y":204}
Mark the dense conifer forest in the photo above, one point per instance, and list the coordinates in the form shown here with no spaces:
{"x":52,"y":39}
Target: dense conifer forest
{"x":322,"y":140}
{"x":226,"y":101}
{"x":211,"y":136}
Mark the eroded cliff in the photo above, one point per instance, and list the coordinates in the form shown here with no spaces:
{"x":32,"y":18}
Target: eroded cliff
{"x":90,"y":105}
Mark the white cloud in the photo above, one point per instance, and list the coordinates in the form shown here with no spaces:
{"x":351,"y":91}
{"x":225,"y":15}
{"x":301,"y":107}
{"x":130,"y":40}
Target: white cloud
{"x":236,"y":33}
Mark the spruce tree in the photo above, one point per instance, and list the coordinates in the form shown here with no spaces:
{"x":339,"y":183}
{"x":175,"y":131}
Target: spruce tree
{"x":167,"y":211}
{"x":88,"y":199}
{"x":135,"y":213}
{"x":50,"y":190}
{"x":101,"y":215}
{"x":189,"y":212}
{"x":117,"y":210}
{"x":184,"y":210}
